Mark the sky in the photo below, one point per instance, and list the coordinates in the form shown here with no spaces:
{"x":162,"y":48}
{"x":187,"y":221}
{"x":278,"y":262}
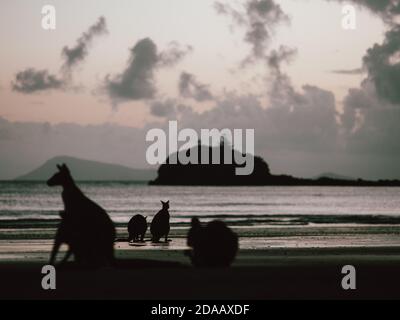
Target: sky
{"x":321,"y":98}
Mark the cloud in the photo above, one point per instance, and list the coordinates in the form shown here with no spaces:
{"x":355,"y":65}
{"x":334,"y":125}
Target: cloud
{"x":78,"y":53}
{"x":276,"y":57}
{"x":31,"y":81}
{"x":163,"y":109}
{"x":281,"y":89}
{"x":369,"y":111}
{"x":370,"y":125}
{"x":356,"y":71}
{"x":137,"y":81}
{"x":293,"y":138}
{"x":174,"y":54}
{"x":259,"y":18}
{"x":189,"y":87}
{"x":304,"y":125}
{"x":382,"y":62}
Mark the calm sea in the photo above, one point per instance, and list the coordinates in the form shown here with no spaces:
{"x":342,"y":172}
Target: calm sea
{"x":35,"y":202}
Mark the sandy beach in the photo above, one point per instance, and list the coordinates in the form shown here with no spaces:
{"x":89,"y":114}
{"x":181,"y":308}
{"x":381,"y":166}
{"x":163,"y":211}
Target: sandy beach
{"x":257,"y":274}
{"x":273,"y":263}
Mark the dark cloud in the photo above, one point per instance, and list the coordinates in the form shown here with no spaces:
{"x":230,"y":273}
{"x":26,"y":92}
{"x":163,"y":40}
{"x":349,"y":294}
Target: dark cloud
{"x":371,"y":125}
{"x":369,"y":111}
{"x":259,"y":17}
{"x":356,"y":71}
{"x":189,"y":87}
{"x":31,"y":81}
{"x":281,"y":89}
{"x":276,"y":57}
{"x":173,"y":54}
{"x":137,"y":81}
{"x":289,"y":135}
{"x":78,"y":53}
{"x":382,"y":62}
{"x":163,"y":109}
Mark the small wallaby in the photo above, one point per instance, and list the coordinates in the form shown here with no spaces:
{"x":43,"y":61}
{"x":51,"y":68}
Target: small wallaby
{"x":160,"y":224}
{"x":137,"y":227}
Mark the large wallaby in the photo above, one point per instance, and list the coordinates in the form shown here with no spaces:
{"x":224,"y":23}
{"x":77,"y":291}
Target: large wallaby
{"x":137,"y":227}
{"x":85,"y":226}
{"x":160,"y":224}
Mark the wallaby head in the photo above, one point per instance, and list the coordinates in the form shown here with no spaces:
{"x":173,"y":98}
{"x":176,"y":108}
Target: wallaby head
{"x":165,"y":205}
{"x":60,"y":178}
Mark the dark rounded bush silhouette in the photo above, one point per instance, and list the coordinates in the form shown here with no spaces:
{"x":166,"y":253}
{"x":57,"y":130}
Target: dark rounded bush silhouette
{"x":137,"y":228}
{"x":193,"y":236}
{"x":214,"y":245}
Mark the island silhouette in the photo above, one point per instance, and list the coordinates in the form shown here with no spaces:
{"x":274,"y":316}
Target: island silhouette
{"x":224,"y":174}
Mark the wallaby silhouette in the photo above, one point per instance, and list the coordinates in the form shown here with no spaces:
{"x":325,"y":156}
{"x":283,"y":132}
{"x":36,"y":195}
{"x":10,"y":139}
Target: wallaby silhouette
{"x":85,"y":226}
{"x":160,"y":224}
{"x":137,"y":227}
{"x":214,"y":245}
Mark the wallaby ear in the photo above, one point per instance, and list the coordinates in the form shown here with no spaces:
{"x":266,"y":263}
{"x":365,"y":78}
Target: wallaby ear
{"x":59,"y":167}
{"x":162,"y":202}
{"x":167,"y":202}
{"x":64,"y":166}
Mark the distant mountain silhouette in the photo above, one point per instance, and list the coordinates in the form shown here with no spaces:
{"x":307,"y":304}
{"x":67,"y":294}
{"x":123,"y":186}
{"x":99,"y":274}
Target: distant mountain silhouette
{"x":331,"y":175}
{"x":87,"y":170}
{"x":224,"y":174}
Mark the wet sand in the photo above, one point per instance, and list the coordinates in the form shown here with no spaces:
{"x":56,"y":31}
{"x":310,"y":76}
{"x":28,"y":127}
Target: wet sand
{"x":257,"y":274}
{"x":273,"y":263}
{"x":276,"y":273}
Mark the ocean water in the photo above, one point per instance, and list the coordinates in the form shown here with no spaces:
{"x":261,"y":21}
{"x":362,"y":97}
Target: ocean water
{"x":22,"y":202}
